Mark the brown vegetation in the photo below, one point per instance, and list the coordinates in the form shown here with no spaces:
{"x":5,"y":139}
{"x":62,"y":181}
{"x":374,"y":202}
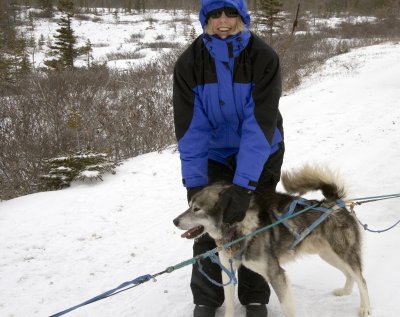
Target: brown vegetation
{"x":48,"y":113}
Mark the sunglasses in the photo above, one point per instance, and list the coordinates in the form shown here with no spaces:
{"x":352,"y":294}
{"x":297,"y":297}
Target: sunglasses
{"x":229,"y":12}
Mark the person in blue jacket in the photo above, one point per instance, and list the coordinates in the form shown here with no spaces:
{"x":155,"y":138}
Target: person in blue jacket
{"x":227,"y":87}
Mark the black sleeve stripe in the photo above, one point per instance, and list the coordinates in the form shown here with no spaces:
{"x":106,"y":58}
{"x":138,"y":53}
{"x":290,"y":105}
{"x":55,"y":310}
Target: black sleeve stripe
{"x":183,"y":101}
{"x":194,"y":67}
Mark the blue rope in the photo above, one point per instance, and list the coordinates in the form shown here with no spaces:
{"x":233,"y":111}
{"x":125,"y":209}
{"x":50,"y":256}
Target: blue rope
{"x":365,"y":226}
{"x":375,"y":198}
{"x":230,"y":272}
{"x":136,"y":281}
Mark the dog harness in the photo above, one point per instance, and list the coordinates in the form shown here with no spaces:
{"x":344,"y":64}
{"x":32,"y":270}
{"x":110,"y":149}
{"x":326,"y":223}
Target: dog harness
{"x":325,"y":213}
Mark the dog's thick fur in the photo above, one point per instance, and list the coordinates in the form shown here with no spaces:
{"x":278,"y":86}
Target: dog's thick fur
{"x":337,"y":240}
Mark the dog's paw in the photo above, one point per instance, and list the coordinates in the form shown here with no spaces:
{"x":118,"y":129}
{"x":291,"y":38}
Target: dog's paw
{"x":365,"y":311}
{"x":341,"y":292}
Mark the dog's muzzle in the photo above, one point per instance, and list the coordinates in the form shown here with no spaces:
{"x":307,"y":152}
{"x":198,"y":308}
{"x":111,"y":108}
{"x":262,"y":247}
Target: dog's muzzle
{"x":192,"y":232}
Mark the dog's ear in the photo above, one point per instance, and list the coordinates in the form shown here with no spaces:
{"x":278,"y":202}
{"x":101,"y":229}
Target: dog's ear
{"x":193,"y":191}
{"x":221,"y":202}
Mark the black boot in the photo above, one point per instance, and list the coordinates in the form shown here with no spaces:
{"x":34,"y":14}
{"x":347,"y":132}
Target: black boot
{"x":203,"y":311}
{"x":256,"y":310}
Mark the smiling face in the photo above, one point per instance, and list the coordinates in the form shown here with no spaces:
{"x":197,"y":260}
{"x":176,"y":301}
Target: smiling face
{"x":223,"y":26}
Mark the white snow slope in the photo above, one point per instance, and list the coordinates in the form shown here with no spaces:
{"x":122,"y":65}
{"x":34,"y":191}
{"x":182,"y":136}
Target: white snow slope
{"x":61,"y":248}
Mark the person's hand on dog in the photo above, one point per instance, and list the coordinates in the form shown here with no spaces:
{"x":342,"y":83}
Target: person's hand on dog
{"x":234,"y":201}
{"x":193,"y":191}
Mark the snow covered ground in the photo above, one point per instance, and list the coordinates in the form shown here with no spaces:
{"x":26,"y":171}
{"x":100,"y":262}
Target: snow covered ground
{"x":61,"y":248}
{"x":122,"y":39}
{"x":124,"y":33}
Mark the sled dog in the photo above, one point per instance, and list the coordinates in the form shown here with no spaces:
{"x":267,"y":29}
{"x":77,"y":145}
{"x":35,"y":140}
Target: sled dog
{"x":337,"y":240}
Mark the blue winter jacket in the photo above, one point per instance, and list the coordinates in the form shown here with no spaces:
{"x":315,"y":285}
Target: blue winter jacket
{"x":226,"y":96}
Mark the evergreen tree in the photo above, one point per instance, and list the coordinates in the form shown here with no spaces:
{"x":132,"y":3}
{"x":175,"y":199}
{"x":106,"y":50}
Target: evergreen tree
{"x":5,"y":31}
{"x":192,"y":34}
{"x":20,"y":60}
{"x":87,"y":51}
{"x":41,"y":41}
{"x":14,"y":61}
{"x":66,"y":6}
{"x":47,"y":7}
{"x":64,"y":47}
{"x":79,"y":166}
{"x":271,"y":16}
{"x":140,"y":5}
{"x":128,"y":6}
{"x":116,"y":16}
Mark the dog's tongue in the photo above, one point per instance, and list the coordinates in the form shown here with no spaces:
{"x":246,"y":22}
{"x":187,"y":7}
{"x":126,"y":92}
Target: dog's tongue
{"x":192,"y":233}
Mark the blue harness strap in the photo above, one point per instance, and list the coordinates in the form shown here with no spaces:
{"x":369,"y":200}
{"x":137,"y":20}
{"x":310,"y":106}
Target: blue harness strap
{"x":325,"y":212}
{"x":215,"y":259}
{"x":138,"y":280}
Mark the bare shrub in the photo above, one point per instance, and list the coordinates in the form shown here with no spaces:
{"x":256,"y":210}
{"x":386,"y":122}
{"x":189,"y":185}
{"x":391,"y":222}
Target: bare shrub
{"x":41,"y":14}
{"x":97,"y":19}
{"x":301,"y":56}
{"x":150,"y":19}
{"x":100,"y":45}
{"x":135,"y":37}
{"x":307,"y":50}
{"x":381,"y":29}
{"x":160,"y":45}
{"x":160,"y":37}
{"x":178,"y":20}
{"x":125,"y":55}
{"x":121,"y":113}
{"x":82,"y":17}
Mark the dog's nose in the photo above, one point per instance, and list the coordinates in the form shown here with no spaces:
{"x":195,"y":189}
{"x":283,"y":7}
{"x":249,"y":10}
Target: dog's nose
{"x":176,"y":221}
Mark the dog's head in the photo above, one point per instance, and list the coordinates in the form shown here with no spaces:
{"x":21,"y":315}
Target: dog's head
{"x":203,"y":214}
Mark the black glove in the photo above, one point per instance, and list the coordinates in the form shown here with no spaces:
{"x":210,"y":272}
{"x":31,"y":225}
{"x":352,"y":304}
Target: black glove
{"x":234,"y":201}
{"x":191,"y":191}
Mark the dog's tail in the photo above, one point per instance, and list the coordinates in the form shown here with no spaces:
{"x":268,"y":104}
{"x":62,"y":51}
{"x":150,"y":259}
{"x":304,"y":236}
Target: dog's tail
{"x":314,"y":177}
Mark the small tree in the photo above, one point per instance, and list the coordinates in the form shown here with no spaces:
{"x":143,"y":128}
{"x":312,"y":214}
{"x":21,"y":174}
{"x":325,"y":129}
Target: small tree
{"x":64,"y":47}
{"x":14,"y":60}
{"x":41,"y":41}
{"x":74,"y":121}
{"x":47,"y":7}
{"x":116,"y":16}
{"x":128,"y":6}
{"x":271,"y":16}
{"x":191,"y":35}
{"x":140,"y":6}
{"x":87,"y":51}
{"x":80,"y":166}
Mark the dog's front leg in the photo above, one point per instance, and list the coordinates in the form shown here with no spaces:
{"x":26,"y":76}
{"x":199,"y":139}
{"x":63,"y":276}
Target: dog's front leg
{"x":272,"y":272}
{"x":229,"y":290}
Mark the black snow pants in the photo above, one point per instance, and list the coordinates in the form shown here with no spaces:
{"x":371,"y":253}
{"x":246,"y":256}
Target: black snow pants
{"x":252,"y":288}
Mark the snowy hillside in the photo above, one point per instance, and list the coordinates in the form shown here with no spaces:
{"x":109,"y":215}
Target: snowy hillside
{"x":121,"y":40}
{"x":61,"y":248}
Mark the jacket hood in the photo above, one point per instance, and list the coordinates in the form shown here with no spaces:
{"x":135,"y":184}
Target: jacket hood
{"x":207,"y":6}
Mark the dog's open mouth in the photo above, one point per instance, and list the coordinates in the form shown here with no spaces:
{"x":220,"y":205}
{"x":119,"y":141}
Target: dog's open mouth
{"x":193,"y":233}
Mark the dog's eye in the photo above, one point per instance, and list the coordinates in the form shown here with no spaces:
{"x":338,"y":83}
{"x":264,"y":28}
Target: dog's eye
{"x":196,"y":209}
